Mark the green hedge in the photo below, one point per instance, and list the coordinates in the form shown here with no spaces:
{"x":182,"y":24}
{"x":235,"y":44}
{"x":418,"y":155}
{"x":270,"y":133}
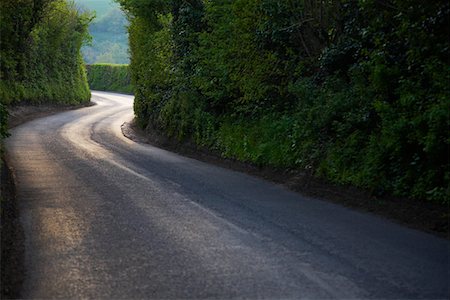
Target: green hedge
{"x":352,"y":91}
{"x":40,"y":57}
{"x":109,"y":77}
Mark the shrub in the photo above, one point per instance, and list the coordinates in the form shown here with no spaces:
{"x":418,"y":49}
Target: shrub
{"x":353,"y":91}
{"x":40,"y":52}
{"x":109,"y":77}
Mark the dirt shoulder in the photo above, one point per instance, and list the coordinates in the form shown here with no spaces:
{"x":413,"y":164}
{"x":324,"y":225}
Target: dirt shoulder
{"x":429,"y":217}
{"x":12,"y":235}
{"x":21,"y":113}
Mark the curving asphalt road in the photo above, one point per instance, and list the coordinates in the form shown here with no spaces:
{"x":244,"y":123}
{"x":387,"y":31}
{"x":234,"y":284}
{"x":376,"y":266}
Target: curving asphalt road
{"x":105,"y":217}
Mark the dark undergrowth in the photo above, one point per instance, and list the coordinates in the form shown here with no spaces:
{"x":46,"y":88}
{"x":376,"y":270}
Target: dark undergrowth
{"x":12,"y":238}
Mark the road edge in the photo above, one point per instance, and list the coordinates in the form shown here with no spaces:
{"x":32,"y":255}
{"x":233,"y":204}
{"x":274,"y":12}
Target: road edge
{"x":420,"y":215}
{"x":12,"y":236}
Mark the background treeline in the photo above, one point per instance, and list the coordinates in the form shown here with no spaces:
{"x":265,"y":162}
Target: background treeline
{"x":109,"y":77}
{"x":352,"y":91}
{"x":108,"y":30}
{"x":40,"y":57}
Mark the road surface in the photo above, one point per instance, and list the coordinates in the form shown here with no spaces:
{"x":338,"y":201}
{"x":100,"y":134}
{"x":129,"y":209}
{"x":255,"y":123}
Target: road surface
{"x":105,"y":217}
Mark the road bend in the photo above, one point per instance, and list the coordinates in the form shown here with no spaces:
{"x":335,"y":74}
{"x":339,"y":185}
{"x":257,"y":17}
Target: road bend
{"x":106,"y":217}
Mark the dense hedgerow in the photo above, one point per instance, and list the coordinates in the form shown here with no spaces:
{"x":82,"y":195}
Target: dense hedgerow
{"x":353,"y":91}
{"x":40,"y":52}
{"x":109,"y":77}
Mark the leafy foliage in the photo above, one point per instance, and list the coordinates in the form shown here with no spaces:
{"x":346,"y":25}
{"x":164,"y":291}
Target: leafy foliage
{"x":40,"y":57}
{"x":42,"y":62}
{"x":108,"y":77}
{"x":352,"y":91}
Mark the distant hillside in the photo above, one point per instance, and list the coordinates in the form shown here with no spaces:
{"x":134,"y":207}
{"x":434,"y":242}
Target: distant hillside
{"x":109,"y":33}
{"x":101,"y":7}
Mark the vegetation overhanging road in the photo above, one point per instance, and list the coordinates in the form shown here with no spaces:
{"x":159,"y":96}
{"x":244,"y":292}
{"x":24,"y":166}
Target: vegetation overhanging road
{"x":107,"y":217}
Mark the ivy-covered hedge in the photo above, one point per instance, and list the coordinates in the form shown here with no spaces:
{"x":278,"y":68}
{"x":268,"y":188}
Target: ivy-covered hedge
{"x":109,"y":77}
{"x":40,"y":57}
{"x":352,"y":91}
